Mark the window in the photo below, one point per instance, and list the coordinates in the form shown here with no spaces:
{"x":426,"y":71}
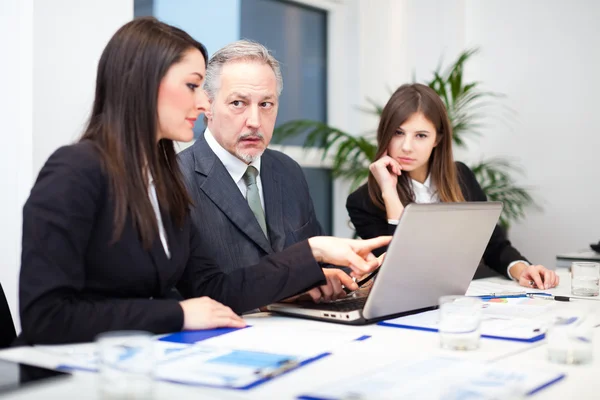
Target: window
{"x":296,"y":34}
{"x":143,"y":8}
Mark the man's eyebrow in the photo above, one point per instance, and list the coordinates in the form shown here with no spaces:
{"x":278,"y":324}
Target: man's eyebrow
{"x":238,"y":94}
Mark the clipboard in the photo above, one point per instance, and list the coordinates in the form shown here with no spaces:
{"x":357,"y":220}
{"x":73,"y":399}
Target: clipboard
{"x":200,"y":364}
{"x":232,"y":369}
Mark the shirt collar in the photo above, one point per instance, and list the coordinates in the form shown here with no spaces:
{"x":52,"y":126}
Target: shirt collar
{"x":427,"y":185}
{"x":236,"y":167}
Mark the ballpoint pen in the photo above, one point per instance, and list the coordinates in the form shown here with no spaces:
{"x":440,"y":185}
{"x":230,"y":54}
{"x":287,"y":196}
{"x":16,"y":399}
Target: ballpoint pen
{"x":510,"y":295}
{"x":548,"y":297}
{"x":503,"y":294}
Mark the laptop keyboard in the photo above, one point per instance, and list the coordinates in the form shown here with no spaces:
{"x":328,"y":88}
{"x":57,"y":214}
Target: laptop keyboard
{"x":348,"y":304}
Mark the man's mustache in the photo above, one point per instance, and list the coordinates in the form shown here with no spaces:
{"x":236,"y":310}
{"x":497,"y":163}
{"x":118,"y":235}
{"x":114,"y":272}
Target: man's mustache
{"x":251,"y":135}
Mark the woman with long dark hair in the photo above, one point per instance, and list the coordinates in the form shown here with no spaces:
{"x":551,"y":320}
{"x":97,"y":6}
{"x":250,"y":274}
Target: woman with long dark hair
{"x":108,"y":243}
{"x":414,"y":163}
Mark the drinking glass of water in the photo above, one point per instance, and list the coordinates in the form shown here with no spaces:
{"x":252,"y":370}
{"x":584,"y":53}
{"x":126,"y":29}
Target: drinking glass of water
{"x":585,"y":278}
{"x":126,"y":365}
{"x":570,"y":335}
{"x":460,"y":321}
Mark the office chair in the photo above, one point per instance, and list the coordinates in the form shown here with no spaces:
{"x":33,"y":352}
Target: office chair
{"x":7,"y":327}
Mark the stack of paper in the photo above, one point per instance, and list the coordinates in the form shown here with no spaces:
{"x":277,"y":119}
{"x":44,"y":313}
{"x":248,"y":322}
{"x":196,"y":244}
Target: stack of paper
{"x":429,"y":378}
{"x":484,"y":287}
{"x":231,"y":358}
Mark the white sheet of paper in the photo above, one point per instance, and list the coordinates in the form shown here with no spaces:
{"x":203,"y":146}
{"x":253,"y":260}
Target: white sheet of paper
{"x":274,"y":338}
{"x":482,"y":287}
{"x":85,"y":356}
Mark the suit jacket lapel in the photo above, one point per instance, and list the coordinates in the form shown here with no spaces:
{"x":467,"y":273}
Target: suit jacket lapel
{"x":214,"y":180}
{"x":271,"y":185}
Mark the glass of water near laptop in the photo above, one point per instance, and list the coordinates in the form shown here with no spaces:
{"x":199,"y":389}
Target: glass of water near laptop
{"x":460,"y":322}
{"x":125,"y":365}
{"x":570,"y":336}
{"x":585,"y":278}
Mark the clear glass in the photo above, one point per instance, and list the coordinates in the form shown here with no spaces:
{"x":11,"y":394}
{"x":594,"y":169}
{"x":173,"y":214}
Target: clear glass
{"x":126,"y":364}
{"x":570,"y":336}
{"x":460,"y":322}
{"x":585,"y":278}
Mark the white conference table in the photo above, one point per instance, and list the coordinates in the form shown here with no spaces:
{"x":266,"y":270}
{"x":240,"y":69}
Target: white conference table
{"x":582,"y":381}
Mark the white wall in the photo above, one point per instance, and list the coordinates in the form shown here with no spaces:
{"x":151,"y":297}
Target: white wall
{"x":343,"y":69}
{"x":16,"y":45}
{"x":69,"y":36}
{"x":367,"y":58}
{"x":46,"y":97}
{"x":545,"y":56}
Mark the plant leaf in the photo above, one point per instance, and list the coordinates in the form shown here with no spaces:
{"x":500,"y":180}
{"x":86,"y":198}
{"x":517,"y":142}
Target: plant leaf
{"x":467,"y":106}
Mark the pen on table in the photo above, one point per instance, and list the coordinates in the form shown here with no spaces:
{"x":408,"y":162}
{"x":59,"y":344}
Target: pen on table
{"x":548,"y":297}
{"x":502,"y":295}
{"x":505,"y":294}
{"x":510,"y":295}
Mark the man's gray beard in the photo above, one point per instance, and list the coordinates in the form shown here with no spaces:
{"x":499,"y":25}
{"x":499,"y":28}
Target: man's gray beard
{"x":248,"y":158}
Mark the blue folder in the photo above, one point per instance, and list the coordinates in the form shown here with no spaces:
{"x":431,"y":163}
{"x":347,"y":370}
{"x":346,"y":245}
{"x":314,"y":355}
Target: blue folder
{"x":192,"y":337}
{"x":534,"y":338}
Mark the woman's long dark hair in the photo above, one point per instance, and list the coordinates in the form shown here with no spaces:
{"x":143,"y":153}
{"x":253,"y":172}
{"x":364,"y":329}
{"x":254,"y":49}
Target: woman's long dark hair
{"x":124,"y":123}
{"x":406,"y":101}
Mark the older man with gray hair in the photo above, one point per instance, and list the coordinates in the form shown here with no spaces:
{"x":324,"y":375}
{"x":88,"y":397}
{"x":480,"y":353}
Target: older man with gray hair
{"x":250,"y":201}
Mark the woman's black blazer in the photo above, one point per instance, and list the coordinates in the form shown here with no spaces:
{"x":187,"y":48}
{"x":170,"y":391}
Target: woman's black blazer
{"x":74,"y":283}
{"x":371,"y":221}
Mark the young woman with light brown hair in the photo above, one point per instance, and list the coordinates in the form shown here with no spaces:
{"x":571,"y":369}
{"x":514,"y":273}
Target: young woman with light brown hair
{"x":414,"y":163}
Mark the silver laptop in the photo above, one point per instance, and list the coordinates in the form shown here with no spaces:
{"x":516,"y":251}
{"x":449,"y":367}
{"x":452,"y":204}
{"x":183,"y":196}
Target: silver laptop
{"x":435,"y":251}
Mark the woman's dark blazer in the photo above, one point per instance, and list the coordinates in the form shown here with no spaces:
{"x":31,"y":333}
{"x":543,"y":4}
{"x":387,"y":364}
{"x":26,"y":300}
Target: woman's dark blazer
{"x":75,"y":284}
{"x":371,"y":221}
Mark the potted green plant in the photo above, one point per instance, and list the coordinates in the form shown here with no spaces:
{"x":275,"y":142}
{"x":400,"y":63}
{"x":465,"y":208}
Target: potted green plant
{"x":465,"y":102}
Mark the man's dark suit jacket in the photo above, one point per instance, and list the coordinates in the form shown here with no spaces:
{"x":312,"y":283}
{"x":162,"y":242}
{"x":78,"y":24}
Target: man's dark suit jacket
{"x":74,"y":284}
{"x":223,"y":218}
{"x":371,"y":221}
